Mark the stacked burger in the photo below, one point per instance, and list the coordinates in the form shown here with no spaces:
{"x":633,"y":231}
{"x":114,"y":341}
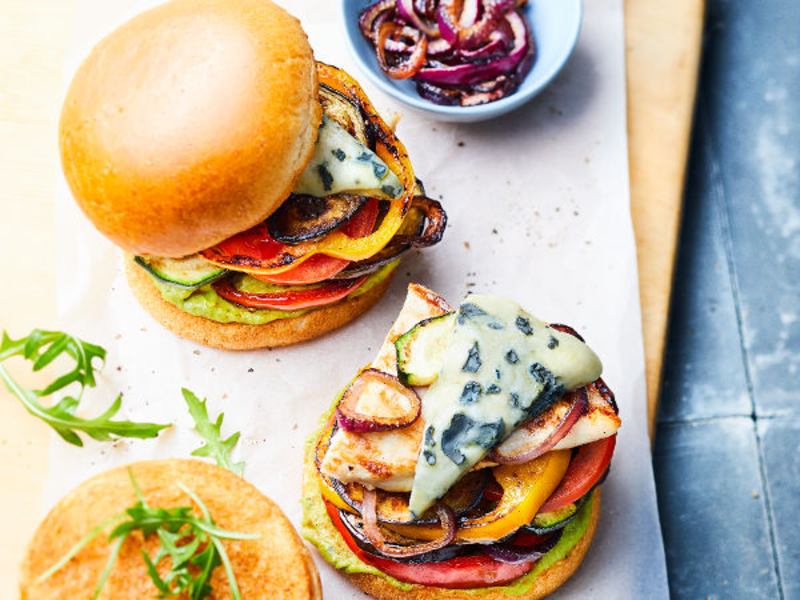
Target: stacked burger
{"x":466,"y":457}
{"x":258,"y":195}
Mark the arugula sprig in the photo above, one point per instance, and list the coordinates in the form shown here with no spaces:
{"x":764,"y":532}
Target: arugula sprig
{"x":42,"y":348}
{"x":215,"y":447}
{"x":192,"y":544}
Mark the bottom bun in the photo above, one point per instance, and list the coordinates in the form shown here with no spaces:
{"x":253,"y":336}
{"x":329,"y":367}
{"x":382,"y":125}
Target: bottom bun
{"x":545,"y":583}
{"x":276,"y":565}
{"x":239,"y":336}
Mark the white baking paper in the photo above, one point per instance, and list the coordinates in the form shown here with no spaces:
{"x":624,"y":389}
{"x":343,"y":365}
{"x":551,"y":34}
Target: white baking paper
{"x":539,"y":212}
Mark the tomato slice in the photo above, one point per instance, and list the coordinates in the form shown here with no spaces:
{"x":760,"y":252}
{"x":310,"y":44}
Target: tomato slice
{"x":463,"y":572}
{"x":290,"y":299}
{"x":320,"y":266}
{"x":585,"y":469}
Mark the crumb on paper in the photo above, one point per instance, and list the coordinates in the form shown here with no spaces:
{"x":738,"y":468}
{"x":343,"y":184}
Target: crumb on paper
{"x":466,"y":245}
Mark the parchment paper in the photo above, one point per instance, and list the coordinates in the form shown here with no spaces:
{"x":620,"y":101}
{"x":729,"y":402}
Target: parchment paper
{"x":539,"y":212}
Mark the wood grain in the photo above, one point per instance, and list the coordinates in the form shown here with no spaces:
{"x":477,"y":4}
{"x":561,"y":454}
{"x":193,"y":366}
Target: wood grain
{"x":663,"y":47}
{"x":663,"y":52}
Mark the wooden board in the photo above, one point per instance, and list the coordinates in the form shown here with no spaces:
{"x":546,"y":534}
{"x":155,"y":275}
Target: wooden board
{"x":664,"y":41}
{"x":663,"y":44}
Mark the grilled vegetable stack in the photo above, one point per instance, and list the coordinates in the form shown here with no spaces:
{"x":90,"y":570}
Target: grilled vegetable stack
{"x":466,"y":456}
{"x":260,"y":197}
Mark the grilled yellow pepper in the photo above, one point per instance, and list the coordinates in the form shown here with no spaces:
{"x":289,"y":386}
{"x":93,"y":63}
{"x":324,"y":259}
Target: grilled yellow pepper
{"x":525,"y":489}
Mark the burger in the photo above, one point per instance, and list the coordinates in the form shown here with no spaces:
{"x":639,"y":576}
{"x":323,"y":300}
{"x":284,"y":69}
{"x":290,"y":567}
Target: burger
{"x":467,"y":458}
{"x":71,"y":555}
{"x":258,"y":196}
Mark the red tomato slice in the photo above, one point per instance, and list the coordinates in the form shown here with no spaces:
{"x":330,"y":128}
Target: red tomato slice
{"x":317,"y":268}
{"x":290,"y":299}
{"x":321,"y":267}
{"x":463,"y":572}
{"x":585,"y":469}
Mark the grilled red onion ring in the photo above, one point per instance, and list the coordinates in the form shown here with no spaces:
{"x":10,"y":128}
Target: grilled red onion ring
{"x":510,"y":553}
{"x":558,"y":434}
{"x":435,"y":224}
{"x":407,"y":9}
{"x":467,"y":73}
{"x":411,"y":65}
{"x":372,"y":17}
{"x":350,"y":419}
{"x":477,"y":51}
{"x":446,"y":517}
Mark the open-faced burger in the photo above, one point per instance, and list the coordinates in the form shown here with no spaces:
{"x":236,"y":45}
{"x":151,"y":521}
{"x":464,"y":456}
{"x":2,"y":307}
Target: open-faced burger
{"x":165,"y":529}
{"x":258,"y":195}
{"x":466,"y":457}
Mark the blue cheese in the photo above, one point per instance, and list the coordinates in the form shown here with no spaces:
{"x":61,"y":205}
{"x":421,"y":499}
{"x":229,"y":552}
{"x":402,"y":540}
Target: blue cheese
{"x":501,"y":367}
{"x":342,"y":164}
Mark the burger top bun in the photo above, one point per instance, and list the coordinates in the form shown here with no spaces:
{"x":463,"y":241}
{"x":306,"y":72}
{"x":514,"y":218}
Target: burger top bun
{"x":276,"y":564}
{"x":190,"y":123}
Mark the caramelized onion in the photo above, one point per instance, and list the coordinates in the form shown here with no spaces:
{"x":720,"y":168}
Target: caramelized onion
{"x":406,"y":8}
{"x":559,"y":432}
{"x":436,"y":222}
{"x":405,"y":412}
{"x":372,"y":17}
{"x":377,"y":539}
{"x":477,"y":51}
{"x":510,"y":553}
{"x":409,"y":66}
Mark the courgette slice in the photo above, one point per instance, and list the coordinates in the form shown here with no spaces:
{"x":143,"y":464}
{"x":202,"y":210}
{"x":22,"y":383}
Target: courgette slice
{"x":420,"y":351}
{"x":548,"y":522}
{"x":190,"y":272}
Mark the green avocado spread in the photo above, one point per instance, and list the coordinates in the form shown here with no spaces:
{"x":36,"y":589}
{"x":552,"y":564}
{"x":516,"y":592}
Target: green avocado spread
{"x":204,"y":302}
{"x":318,"y":529}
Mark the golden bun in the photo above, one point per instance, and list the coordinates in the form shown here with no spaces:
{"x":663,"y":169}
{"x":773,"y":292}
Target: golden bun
{"x":190,"y":123}
{"x":240,"y":336}
{"x":545,"y":583}
{"x":276,"y":565}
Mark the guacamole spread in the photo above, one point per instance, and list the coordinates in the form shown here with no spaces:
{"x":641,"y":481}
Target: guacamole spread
{"x":204,"y":302}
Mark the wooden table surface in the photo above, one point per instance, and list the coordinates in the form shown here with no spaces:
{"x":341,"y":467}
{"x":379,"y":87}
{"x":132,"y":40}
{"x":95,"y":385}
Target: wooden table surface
{"x":663,"y":48}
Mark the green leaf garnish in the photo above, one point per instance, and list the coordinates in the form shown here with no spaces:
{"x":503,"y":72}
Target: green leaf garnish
{"x":42,"y":348}
{"x":192,"y":544}
{"x":215,"y":447}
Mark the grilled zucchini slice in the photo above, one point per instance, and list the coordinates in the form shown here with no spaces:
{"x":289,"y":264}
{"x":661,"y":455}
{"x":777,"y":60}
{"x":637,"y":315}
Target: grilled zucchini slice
{"x":420,"y":351}
{"x":190,"y":272}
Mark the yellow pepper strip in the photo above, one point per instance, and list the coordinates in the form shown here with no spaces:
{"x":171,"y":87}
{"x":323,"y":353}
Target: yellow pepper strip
{"x":324,"y":482}
{"x":525,"y":488}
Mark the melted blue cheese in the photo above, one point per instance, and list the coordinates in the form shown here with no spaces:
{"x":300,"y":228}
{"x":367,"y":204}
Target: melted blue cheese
{"x":342,"y":164}
{"x":501,"y":367}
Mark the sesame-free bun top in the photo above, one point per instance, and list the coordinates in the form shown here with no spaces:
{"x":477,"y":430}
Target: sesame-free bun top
{"x":190,"y":123}
{"x":276,"y":564}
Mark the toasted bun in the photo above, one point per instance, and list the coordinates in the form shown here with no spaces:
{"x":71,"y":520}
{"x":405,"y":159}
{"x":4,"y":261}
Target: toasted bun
{"x":238,"y":336}
{"x":275,"y":565}
{"x":190,"y":123}
{"x":545,"y":583}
